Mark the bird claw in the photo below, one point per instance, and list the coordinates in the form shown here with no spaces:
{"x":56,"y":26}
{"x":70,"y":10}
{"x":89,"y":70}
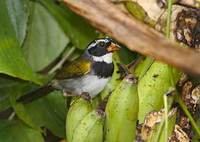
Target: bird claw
{"x":83,"y":95}
{"x":86,"y":96}
{"x":68,"y":94}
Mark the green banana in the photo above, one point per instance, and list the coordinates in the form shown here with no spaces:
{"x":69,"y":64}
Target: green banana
{"x":77,"y":111}
{"x":122,"y":111}
{"x":152,"y":85}
{"x":90,"y":129}
{"x":143,"y":66}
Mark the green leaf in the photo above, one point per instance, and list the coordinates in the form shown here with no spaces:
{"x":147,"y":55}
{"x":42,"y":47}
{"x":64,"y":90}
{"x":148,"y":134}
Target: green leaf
{"x":139,"y":13}
{"x":18,"y":11}
{"x":49,"y":112}
{"x":79,"y":32}
{"x":21,"y":112}
{"x":12,"y":61}
{"x":125,"y":55}
{"x":136,"y":10}
{"x":4,"y":97}
{"x":45,"y":40}
{"x":15,"y":131}
{"x":12,"y":87}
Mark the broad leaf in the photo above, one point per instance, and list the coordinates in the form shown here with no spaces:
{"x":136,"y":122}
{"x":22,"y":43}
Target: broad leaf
{"x":125,"y":55}
{"x":12,"y":61}
{"x":16,"y":131}
{"x":12,"y":87}
{"x":45,"y":40}
{"x":49,"y":112}
{"x":19,"y":11}
{"x":79,"y":32}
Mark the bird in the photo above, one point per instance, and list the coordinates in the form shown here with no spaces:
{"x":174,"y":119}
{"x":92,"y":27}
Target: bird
{"x":86,"y":76}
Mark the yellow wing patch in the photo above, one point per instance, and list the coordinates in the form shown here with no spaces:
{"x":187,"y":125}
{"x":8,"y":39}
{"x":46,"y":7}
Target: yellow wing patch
{"x":74,"y":69}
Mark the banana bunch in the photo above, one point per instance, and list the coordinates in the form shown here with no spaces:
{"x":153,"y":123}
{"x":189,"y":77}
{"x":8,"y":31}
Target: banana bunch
{"x":128,"y":102}
{"x":90,"y":128}
{"x":122,"y":111}
{"x":84,"y":124}
{"x":78,"y":110}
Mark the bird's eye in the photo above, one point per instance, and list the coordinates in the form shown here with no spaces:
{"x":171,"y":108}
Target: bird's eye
{"x":102,"y":44}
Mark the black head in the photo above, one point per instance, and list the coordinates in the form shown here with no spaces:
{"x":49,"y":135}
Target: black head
{"x":101,"y":47}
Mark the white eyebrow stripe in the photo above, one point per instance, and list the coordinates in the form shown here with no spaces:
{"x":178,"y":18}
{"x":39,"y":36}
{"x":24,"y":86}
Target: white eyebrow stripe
{"x":96,"y":42}
{"x":92,"y":45}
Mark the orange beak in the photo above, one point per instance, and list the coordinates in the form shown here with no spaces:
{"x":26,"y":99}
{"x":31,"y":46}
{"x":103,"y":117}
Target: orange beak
{"x":113,"y":47}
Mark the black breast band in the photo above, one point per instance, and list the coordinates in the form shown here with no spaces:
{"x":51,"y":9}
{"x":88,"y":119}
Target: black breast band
{"x":103,"y":69}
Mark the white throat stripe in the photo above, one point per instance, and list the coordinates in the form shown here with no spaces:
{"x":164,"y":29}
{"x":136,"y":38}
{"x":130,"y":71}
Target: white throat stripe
{"x":105,"y":58}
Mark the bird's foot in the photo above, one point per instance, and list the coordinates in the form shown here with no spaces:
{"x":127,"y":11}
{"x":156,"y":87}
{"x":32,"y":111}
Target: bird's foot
{"x":125,"y":70}
{"x":86,"y":96}
{"x":102,"y":106}
{"x":83,"y":95}
{"x":68,"y":94}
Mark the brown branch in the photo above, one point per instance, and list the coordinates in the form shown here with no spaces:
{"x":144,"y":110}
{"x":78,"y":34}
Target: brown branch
{"x":106,"y":17}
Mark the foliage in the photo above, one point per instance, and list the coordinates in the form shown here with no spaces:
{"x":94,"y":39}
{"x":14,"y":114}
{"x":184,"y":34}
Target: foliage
{"x":36,"y":37}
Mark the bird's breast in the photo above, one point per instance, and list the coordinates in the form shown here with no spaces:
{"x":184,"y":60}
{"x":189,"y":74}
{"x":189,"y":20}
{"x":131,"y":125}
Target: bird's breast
{"x":90,"y":83}
{"x":93,"y":84}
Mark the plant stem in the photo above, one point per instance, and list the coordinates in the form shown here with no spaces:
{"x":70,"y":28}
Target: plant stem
{"x":187,"y":113}
{"x":166,"y":117}
{"x":169,"y":13}
{"x":11,"y":116}
{"x":66,"y":56}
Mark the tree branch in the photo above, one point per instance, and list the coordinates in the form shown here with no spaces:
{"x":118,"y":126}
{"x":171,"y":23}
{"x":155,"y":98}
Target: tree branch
{"x":106,"y":17}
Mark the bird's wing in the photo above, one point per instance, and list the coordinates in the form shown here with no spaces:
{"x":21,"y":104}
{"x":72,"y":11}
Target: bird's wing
{"x":74,"y":69}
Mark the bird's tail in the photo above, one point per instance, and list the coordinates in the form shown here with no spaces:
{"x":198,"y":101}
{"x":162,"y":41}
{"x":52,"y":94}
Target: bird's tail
{"x":36,"y":94}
